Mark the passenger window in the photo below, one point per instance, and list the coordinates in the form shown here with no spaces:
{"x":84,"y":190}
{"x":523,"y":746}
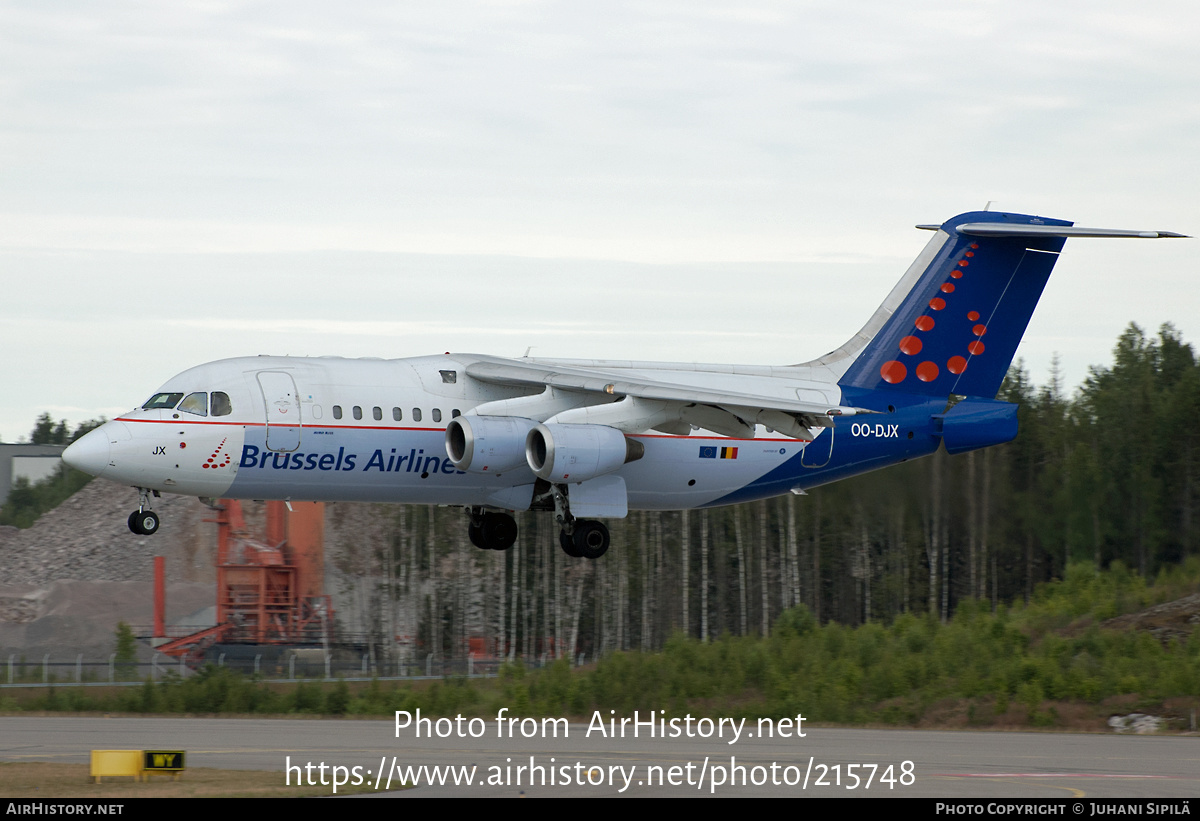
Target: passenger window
{"x":162,"y":400}
{"x":196,"y":403}
{"x":357,"y":412}
{"x":397,"y":415}
{"x":454,"y":414}
{"x":337,"y":411}
{"x":221,"y":406}
{"x":437,"y":414}
{"x":416,"y":414}
{"x":377,"y":413}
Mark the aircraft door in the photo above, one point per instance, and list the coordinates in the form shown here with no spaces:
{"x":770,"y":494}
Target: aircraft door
{"x":283,"y":410}
{"x":819,"y":451}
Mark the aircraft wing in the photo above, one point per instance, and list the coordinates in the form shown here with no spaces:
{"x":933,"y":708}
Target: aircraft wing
{"x":789,"y":415}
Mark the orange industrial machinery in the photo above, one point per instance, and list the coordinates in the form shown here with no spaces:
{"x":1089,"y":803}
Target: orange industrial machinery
{"x":269,"y":591}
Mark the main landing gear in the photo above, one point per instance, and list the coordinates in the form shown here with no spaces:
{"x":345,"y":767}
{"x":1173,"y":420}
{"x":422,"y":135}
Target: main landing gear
{"x":579,"y":538}
{"x":588,"y":541}
{"x":492,"y":531}
{"x":143,"y":521}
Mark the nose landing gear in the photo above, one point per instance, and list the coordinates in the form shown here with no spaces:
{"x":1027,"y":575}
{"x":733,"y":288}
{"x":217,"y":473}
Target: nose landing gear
{"x":143,"y":521}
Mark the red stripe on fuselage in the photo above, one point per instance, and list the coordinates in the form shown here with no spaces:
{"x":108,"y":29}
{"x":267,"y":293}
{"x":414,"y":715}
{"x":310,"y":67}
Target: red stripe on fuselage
{"x":388,"y":427}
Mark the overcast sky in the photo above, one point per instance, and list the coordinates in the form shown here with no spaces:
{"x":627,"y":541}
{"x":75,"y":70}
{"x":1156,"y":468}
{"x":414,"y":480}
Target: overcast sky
{"x":729,"y":182}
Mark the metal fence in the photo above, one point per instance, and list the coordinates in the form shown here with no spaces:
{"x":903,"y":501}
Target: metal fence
{"x":276,"y":665}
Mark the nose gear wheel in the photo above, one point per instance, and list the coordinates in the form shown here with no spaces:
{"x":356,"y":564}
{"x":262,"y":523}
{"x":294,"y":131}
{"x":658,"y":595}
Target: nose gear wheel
{"x":143,"y":522}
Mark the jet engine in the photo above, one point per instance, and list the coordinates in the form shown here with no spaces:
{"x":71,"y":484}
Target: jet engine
{"x":576,"y":453}
{"x":487,"y":444}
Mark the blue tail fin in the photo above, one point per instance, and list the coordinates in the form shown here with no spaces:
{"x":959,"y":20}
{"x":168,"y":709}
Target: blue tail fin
{"x":957,"y":324}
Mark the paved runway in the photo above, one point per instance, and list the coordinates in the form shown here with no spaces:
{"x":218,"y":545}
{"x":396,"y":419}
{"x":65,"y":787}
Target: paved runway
{"x":826,"y":762}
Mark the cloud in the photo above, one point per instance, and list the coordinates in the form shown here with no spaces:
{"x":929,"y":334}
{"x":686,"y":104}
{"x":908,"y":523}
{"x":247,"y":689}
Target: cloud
{"x":567,"y":135}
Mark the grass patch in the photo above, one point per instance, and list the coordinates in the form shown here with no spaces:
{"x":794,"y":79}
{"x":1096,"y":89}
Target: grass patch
{"x":1054,"y":663}
{"x":43,"y":780}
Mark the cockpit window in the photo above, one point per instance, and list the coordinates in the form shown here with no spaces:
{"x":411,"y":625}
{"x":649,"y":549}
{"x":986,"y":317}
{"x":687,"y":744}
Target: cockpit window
{"x":196,"y":403}
{"x":162,"y":400}
{"x":221,"y":406}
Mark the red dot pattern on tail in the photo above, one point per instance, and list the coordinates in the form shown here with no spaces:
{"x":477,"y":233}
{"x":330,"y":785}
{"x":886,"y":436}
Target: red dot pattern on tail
{"x":894,"y":371}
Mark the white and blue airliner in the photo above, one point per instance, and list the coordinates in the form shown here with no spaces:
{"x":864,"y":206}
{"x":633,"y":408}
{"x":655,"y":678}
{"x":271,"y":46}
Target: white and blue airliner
{"x":591,"y":439}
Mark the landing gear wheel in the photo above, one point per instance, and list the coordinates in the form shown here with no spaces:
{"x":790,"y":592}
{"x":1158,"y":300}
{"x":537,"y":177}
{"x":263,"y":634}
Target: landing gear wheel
{"x":499,"y":531}
{"x":590,"y":539}
{"x":568,"y":545}
{"x":143,"y":522}
{"x":492,"y":531}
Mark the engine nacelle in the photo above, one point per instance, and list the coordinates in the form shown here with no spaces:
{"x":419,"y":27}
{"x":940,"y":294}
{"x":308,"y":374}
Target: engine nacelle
{"x":487,"y":444}
{"x":576,"y":453}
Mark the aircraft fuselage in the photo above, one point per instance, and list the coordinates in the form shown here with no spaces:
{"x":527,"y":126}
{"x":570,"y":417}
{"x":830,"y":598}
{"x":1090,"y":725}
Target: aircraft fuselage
{"x":283,"y":439}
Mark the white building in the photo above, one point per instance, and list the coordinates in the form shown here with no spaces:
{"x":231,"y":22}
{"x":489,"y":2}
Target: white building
{"x":32,"y":462}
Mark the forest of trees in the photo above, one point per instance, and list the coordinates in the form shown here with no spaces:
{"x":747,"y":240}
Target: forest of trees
{"x":1108,"y":475}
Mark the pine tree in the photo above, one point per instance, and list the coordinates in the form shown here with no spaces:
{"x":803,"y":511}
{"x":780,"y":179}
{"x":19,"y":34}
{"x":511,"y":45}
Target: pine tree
{"x":126,"y":653}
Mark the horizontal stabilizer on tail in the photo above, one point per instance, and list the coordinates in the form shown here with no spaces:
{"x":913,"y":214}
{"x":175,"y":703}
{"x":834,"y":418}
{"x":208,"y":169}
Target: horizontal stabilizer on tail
{"x":982,"y":229}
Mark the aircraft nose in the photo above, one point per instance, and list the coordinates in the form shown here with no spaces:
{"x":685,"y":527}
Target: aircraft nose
{"x":91,"y":452}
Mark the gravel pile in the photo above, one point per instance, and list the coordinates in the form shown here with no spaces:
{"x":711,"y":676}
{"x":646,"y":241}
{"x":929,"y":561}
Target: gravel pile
{"x":1173,"y":620}
{"x":81,"y":617}
{"x":68,"y":580}
{"x":88,"y":538}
